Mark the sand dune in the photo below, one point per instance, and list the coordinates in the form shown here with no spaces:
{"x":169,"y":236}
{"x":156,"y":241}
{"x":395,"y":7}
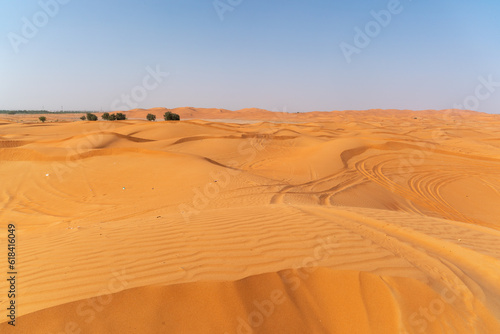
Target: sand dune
{"x":326,"y":222}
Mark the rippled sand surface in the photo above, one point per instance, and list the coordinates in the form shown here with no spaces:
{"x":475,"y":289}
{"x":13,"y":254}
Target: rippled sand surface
{"x":342,"y":222}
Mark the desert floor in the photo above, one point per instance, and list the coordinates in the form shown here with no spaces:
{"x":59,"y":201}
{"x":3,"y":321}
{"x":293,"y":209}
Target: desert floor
{"x":341,"y":222}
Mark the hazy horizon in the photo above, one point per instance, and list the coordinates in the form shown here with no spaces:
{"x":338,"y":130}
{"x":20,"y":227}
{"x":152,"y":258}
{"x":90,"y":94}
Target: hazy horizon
{"x":293,"y":56}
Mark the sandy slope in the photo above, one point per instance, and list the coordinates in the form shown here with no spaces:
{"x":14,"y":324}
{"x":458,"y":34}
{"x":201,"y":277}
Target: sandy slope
{"x":345,"y":222}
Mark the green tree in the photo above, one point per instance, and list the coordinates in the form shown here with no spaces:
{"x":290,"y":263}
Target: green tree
{"x":105,"y":116}
{"x":91,"y":117}
{"x":120,"y":116}
{"x":42,"y":118}
{"x":151,"y":117}
{"x":170,"y":116}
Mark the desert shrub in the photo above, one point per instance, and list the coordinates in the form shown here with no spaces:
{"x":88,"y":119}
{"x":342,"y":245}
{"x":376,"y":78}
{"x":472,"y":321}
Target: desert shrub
{"x":170,"y":116}
{"x":151,"y":117}
{"x":42,"y":118}
{"x":114,"y":117}
{"x":82,"y":118}
{"x":91,"y":117}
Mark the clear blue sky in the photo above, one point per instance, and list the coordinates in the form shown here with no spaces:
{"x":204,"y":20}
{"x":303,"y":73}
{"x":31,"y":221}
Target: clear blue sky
{"x":277,"y":55}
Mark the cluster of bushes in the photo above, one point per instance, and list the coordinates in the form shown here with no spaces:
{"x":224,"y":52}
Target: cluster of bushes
{"x":170,"y":116}
{"x":90,"y":117}
{"x":113,"y":117}
{"x":106,"y":116}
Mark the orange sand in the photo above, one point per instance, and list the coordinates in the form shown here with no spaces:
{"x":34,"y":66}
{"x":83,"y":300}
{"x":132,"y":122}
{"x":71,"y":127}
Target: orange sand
{"x":341,"y":222}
